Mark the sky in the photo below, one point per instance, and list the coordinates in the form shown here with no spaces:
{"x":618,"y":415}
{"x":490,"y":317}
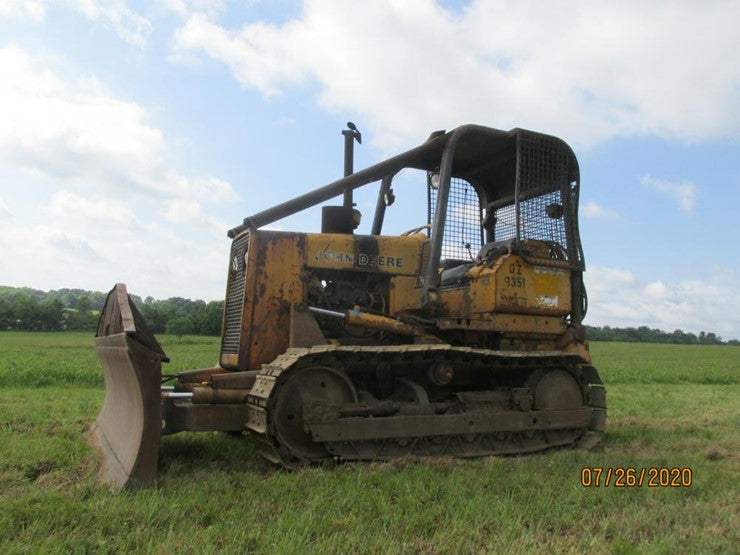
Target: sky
{"x":133,"y":135}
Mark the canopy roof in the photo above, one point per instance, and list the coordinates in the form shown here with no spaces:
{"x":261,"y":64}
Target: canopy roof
{"x":485,"y":157}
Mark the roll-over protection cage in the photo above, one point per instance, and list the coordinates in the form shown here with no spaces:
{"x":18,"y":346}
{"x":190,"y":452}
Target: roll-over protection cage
{"x":484,"y":186}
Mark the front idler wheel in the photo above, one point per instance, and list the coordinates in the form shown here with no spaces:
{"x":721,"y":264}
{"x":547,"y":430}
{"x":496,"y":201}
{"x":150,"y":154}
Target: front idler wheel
{"x":311,"y":385}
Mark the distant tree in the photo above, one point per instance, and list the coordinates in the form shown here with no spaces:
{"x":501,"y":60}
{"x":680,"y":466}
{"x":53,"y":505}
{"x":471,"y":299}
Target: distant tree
{"x":97,"y":299}
{"x":81,"y":318}
{"x":50,"y":315}
{"x":7,"y":315}
{"x":157,"y":314}
{"x":179,"y":326}
{"x":26,"y":313}
{"x":83,"y":304}
{"x":712,"y":338}
{"x":655,"y":335}
{"x":207,"y":319}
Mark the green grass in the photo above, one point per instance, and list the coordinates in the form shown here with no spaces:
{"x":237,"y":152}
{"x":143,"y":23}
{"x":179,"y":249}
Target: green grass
{"x":668,"y":406}
{"x":34,"y":359}
{"x":652,"y":363}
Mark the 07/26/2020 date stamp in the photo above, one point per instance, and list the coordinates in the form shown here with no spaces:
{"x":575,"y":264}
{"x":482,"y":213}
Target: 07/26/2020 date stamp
{"x":625,"y":477}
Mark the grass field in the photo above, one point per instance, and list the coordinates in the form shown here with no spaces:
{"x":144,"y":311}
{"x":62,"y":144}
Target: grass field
{"x":669,"y":406}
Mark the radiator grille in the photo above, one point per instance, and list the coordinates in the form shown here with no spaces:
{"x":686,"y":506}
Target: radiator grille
{"x":235,"y":295}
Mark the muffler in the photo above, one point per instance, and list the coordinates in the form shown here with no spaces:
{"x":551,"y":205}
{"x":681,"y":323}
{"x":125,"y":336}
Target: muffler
{"x":128,"y":428}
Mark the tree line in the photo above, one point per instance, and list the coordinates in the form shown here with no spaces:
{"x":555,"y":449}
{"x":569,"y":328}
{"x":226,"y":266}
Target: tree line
{"x":644,"y":334}
{"x":22,"y":308}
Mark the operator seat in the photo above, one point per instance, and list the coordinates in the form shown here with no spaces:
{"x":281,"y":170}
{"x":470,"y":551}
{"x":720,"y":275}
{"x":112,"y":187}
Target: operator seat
{"x":454,"y":272}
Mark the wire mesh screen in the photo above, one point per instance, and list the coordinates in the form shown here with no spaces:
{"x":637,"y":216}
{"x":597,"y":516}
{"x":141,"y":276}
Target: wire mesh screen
{"x":547,"y":199}
{"x":505,"y":223}
{"x":463,"y":232}
{"x":541,"y":218}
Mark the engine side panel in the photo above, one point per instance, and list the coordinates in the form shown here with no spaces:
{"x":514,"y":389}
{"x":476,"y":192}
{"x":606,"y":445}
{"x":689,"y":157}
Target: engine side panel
{"x":405,"y":294}
{"x":365,"y":253}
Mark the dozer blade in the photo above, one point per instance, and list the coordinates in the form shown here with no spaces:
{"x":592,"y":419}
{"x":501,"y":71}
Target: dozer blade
{"x":127,"y":430}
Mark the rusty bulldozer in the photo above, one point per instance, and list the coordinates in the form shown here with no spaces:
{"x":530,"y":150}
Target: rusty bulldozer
{"x":461,"y":337}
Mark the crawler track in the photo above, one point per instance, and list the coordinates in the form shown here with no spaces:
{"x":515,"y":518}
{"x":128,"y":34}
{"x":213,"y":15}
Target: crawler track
{"x":346,"y":422}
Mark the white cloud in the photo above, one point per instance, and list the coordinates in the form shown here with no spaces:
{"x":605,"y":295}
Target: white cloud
{"x":212,"y":8}
{"x":257,"y":56}
{"x":5,"y":213}
{"x":191,"y":213}
{"x":595,"y":211}
{"x":110,"y":211}
{"x":586,"y":71}
{"x":118,"y":209}
{"x":683,"y":192}
{"x":80,"y":133}
{"x":655,"y":290}
{"x":618,"y":298}
{"x":466,"y":214}
{"x":69,"y":245}
{"x":114,"y":14}
{"x":20,"y":9}
{"x":77,"y":246}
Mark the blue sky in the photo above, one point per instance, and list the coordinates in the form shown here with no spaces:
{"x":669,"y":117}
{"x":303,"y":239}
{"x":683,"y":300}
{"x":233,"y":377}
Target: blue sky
{"x":134,"y":134}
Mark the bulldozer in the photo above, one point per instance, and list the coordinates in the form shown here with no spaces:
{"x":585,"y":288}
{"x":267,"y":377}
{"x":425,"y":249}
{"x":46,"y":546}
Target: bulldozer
{"x":460,"y":337}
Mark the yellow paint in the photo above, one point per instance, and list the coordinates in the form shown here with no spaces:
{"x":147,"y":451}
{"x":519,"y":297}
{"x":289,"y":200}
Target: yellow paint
{"x":515,"y":286}
{"x":229,"y":361}
{"x":382,"y":323}
{"x":277,"y":285}
{"x":272,"y":283}
{"x":366,"y":253}
{"x":579,"y":349}
{"x":455,"y":300}
{"x":513,"y":296}
{"x":405,"y":294}
{"x":511,"y":323}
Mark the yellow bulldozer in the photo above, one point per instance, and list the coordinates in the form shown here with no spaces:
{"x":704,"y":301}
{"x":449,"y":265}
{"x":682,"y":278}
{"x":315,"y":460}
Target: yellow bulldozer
{"x":460,"y":337}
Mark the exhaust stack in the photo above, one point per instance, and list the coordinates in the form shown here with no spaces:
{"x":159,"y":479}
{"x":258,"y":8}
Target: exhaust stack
{"x":344,"y":218}
{"x":351,"y":135}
